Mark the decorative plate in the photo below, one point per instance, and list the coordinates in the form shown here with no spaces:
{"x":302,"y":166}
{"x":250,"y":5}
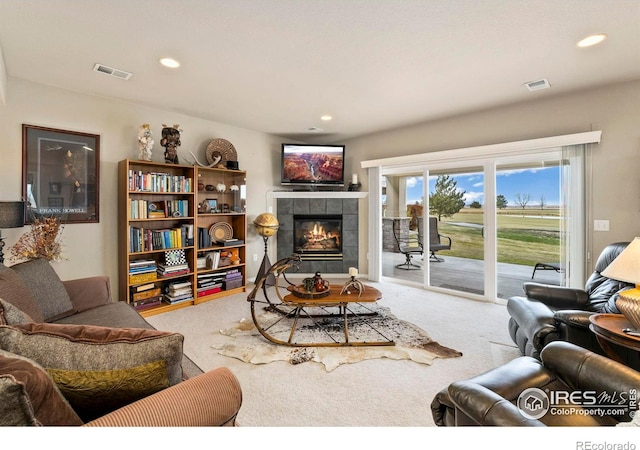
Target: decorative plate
{"x":220,"y":231}
{"x":223,"y":149}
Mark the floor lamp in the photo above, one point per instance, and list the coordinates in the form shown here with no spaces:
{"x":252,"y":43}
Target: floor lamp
{"x":266,"y":225}
{"x":11,"y":216}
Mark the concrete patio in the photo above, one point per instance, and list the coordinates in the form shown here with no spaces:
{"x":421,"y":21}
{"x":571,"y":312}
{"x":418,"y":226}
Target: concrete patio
{"x":467,"y":275}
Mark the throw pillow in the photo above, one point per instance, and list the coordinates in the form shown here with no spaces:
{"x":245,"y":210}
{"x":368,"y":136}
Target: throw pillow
{"x":11,"y":315}
{"x":99,"y":369}
{"x":46,"y":288}
{"x":28,"y":396}
{"x":14,"y":291}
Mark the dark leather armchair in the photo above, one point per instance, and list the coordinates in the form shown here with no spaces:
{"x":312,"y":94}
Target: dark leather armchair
{"x":549,"y":313}
{"x":494,"y":397}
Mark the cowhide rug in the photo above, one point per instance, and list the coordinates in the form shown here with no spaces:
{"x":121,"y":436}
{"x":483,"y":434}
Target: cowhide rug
{"x":243,"y":341}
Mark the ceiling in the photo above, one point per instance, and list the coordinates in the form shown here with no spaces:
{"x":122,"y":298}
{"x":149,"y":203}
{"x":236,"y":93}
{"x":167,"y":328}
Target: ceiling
{"x":276,"y":66}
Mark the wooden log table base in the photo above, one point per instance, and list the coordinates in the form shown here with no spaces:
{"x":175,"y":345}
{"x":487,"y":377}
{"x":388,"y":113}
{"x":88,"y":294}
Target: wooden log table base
{"x":290,"y":309}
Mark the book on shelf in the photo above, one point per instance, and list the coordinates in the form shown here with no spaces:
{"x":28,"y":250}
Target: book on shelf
{"x":142,"y":287}
{"x":146,"y":294}
{"x":173,"y":273}
{"x":158,"y":182}
{"x":177,"y":297}
{"x":204,"y":238}
{"x":179,"y":285}
{"x":142,"y":277}
{"x":233,"y":241}
{"x":144,"y":239}
{"x":144,"y":306}
{"x":212,"y":290}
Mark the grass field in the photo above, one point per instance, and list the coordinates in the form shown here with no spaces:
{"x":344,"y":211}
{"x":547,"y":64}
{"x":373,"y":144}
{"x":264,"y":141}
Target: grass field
{"x":524,"y":236}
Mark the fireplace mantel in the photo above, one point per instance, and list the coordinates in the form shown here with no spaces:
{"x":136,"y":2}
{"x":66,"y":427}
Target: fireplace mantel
{"x":317,"y":194}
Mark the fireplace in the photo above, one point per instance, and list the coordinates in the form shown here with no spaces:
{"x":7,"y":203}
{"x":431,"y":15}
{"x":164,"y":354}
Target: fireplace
{"x":318,"y":237}
{"x":343,"y":205}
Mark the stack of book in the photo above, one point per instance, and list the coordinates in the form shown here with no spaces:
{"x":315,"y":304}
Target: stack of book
{"x":233,"y":279}
{"x":210,"y":283}
{"x":175,"y":270}
{"x":145,"y":296}
{"x":142,"y":271}
{"x":175,"y":264}
{"x":177,"y":292}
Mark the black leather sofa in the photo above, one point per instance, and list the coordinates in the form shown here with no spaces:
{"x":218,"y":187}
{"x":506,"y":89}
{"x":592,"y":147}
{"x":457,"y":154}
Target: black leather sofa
{"x":549,"y":313}
{"x":571,"y":377}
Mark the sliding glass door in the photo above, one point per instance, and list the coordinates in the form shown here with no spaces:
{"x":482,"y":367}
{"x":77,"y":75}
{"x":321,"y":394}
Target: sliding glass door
{"x":485,"y":228}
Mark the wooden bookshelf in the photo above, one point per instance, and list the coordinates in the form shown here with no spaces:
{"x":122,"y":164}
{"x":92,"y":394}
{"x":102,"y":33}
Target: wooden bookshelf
{"x":159,"y":214}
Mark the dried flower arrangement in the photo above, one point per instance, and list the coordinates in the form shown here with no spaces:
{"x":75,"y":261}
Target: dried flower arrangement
{"x":42,"y":241}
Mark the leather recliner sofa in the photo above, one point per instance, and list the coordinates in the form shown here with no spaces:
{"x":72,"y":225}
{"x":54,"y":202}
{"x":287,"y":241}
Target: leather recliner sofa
{"x":571,"y":377}
{"x":549,"y":313}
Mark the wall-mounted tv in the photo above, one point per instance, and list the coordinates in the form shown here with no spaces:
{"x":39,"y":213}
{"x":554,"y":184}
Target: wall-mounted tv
{"x":312,"y":165}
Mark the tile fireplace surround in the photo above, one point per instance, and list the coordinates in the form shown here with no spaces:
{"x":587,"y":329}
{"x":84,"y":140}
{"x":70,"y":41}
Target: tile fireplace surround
{"x":290,"y":203}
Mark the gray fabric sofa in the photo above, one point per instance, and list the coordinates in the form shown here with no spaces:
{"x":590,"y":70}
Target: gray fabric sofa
{"x":84,"y":301}
{"x":70,"y":355}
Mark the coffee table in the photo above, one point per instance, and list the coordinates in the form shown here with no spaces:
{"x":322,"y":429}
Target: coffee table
{"x":290,"y":309}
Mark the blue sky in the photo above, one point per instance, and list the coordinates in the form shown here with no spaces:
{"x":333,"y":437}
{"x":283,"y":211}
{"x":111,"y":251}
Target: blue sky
{"x":535,"y":182}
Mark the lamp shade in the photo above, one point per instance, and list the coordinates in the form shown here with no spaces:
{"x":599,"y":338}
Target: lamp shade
{"x":626,"y":266}
{"x":11,"y":214}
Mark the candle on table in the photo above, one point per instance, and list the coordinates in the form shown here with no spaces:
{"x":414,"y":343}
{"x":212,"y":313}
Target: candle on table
{"x":353,"y":271}
{"x":355,"y":179}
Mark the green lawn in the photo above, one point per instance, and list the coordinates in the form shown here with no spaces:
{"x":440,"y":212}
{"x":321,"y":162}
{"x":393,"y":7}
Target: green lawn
{"x":522,"y":238}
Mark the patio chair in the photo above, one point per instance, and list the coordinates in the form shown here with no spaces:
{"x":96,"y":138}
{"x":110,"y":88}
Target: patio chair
{"x":409,"y":244}
{"x":436,"y":242}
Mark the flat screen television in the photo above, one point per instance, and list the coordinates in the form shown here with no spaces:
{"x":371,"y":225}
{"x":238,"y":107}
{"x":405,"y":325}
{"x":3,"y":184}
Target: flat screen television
{"x":312,"y":165}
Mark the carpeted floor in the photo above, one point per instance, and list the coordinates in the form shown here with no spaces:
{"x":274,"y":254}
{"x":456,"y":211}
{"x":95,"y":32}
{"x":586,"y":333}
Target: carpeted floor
{"x":376,"y":392}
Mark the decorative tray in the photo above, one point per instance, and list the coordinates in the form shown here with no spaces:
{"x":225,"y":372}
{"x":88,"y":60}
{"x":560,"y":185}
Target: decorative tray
{"x":301,"y":292}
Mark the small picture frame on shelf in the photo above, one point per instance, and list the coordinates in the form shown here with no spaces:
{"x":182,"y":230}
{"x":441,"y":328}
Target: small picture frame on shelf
{"x":213,"y":205}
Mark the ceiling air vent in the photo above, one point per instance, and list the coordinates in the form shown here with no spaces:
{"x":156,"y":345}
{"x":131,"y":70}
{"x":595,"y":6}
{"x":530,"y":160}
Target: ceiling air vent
{"x":538,"y":85}
{"x":122,"y":74}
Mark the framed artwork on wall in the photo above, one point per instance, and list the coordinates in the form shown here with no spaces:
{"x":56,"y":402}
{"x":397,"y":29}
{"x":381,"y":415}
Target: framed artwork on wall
{"x":65,"y":164}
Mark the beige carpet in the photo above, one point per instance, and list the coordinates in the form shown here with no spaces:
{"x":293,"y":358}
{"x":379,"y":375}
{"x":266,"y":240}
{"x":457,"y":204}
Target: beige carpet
{"x":243,"y":341}
{"x":372,"y":393}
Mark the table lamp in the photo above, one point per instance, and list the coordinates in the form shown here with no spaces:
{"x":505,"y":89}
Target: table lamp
{"x":11,"y":216}
{"x":626,"y":267}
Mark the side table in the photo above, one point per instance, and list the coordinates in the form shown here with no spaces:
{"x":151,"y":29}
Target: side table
{"x":618,"y":345}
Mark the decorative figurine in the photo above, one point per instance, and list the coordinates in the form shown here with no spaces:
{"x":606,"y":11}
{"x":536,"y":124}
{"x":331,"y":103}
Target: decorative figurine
{"x":319,"y":284}
{"x":145,"y":142}
{"x":171,"y":141}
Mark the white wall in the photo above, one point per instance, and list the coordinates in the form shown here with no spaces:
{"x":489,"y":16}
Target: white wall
{"x":614,"y":193}
{"x":91,"y":249}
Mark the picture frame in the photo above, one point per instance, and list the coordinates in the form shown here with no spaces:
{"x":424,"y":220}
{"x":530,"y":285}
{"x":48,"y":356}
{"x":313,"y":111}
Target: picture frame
{"x":64,"y":165}
{"x":213,"y":204}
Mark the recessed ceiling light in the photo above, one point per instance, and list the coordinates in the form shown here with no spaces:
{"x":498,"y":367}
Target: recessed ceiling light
{"x":326,"y":117}
{"x":592,"y":40}
{"x":169,"y":62}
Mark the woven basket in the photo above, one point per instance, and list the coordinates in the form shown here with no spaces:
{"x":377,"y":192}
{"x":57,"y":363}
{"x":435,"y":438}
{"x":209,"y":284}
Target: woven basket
{"x":630,"y":308}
